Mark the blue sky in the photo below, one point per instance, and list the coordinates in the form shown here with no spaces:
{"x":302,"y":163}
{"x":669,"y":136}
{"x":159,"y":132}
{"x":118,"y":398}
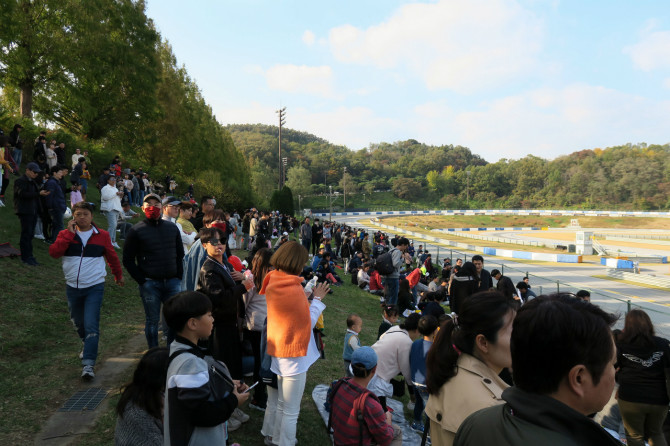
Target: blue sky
{"x":505,"y":78}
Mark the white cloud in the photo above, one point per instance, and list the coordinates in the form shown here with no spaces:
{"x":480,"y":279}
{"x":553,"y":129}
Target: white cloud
{"x":461,"y":46}
{"x":301,"y":79}
{"x":651,"y":52}
{"x":666,"y":83}
{"x":545,"y":122}
{"x":308,"y":38}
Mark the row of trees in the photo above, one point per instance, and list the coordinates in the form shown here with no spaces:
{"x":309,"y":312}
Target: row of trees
{"x":100,"y":71}
{"x":626,"y":177}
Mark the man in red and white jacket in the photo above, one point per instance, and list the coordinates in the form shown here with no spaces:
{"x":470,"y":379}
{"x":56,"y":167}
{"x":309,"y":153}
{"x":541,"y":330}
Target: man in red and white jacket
{"x":82,"y":246}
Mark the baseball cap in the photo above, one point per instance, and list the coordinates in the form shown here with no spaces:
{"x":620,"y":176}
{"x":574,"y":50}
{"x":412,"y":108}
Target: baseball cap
{"x":365,"y":356}
{"x":154,"y":196}
{"x":171,"y":201}
{"x":34,"y":167}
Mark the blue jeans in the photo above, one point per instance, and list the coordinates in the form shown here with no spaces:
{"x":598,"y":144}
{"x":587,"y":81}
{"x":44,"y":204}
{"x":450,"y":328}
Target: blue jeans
{"x":84,"y":185}
{"x":84,"y":305}
{"x":17,"y":154}
{"x":56,"y":223}
{"x":421,"y":394}
{"x":392,"y":287}
{"x":307,"y":243}
{"x":134,"y":196}
{"x":154,"y":292}
{"x":142,"y":193}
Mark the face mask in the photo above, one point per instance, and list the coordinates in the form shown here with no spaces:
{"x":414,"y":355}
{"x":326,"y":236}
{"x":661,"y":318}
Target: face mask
{"x":219,"y":225}
{"x":152,"y":212}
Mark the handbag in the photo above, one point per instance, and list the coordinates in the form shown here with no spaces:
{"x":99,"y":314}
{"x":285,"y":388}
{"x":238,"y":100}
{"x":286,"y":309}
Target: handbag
{"x":398,"y":387}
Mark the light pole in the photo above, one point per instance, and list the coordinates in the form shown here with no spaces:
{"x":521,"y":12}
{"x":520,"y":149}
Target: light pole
{"x":467,"y":190}
{"x":344,"y":177}
{"x":282,"y":121}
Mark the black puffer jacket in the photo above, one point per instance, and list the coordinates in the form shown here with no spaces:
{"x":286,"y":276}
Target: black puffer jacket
{"x":153,"y":250}
{"x":26,"y":196}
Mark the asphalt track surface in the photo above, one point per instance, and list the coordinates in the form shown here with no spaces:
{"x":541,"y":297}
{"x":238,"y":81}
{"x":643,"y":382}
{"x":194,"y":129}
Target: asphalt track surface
{"x":610,"y":295}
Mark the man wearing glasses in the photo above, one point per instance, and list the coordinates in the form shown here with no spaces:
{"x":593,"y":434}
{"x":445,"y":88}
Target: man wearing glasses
{"x":153,"y":254}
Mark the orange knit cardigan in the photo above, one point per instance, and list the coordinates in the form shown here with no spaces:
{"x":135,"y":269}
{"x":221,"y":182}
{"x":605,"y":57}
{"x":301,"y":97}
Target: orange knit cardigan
{"x":289,"y":323}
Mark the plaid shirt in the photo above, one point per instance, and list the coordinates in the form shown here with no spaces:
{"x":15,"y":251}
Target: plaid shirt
{"x":346,"y":426}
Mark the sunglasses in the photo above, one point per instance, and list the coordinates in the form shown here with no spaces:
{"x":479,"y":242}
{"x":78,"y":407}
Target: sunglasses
{"x":215,"y":242}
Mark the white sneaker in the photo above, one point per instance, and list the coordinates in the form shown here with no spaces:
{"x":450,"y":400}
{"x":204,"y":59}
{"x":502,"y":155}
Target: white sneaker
{"x":116,"y":246}
{"x":81,"y":354}
{"x":87,"y":373}
{"x":39,"y":236}
{"x":240,"y":416}
{"x":233,"y":424}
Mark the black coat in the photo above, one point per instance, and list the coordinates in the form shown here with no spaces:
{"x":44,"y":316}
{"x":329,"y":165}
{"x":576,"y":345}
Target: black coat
{"x":226,"y":295}
{"x":26,"y":196}
{"x":153,"y":250}
{"x":485,"y":281}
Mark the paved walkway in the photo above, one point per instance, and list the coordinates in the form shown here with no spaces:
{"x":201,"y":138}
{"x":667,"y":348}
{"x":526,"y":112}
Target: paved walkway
{"x":65,"y":427}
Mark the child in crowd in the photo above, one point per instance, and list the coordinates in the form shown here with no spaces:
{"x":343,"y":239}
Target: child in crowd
{"x":428,"y":325}
{"x":430,"y":305}
{"x":140,"y":408}
{"x":200,"y":396}
{"x":389,"y":318}
{"x":75,"y":194}
{"x":351,"y":341}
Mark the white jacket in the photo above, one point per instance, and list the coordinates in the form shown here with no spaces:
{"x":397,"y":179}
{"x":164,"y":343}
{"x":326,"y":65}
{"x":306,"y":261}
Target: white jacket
{"x":109,"y":200}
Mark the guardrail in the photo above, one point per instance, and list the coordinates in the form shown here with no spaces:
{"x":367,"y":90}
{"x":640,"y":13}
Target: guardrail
{"x":541,"y":212}
{"x":541,"y":284}
{"x":647,"y":279}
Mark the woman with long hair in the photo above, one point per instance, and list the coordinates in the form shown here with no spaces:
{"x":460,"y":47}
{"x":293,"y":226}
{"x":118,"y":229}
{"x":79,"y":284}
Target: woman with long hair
{"x":140,"y":408}
{"x":465,"y":360}
{"x":290,"y":335}
{"x":256,"y":310}
{"x":643,"y":398}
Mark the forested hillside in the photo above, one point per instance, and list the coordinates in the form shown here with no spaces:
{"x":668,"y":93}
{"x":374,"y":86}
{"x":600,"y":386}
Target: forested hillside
{"x":622,"y":177}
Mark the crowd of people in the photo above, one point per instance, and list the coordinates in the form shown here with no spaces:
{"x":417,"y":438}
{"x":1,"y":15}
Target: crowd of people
{"x":501,"y":366}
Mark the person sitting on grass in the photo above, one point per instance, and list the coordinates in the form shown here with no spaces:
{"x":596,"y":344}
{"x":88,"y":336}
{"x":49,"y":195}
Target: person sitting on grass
{"x":357,"y":417}
{"x":363,"y":277}
{"x":201,"y":395}
{"x":326,"y":271}
{"x":351,"y":341}
{"x":375,"y":284}
{"x":140,"y":408}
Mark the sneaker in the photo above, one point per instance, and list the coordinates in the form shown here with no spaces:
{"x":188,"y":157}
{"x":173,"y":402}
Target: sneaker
{"x":39,"y":236}
{"x":417,"y":427}
{"x":268,"y":441}
{"x":240,"y":416}
{"x":87,"y":373}
{"x":233,"y":424}
{"x":116,"y":245}
{"x":256,"y":405}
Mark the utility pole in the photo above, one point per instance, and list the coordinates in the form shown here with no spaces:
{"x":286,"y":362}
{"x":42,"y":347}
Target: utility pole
{"x":282,"y":121}
{"x":284,"y":162}
{"x":467,"y":190}
{"x":330,"y":218}
{"x":299,"y":203}
{"x":344,"y":177}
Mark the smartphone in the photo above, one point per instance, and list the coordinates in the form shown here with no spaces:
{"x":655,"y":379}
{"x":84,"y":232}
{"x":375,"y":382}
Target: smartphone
{"x":251,"y":387}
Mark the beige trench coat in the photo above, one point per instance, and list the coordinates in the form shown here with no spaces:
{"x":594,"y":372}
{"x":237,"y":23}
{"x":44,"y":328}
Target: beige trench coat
{"x":474,"y":387}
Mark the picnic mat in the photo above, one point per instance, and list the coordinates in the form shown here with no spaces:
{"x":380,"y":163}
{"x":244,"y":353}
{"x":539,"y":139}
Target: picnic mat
{"x":409,"y":437}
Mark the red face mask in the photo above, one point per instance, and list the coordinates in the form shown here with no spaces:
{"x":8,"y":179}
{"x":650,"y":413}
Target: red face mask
{"x":219,"y":225}
{"x":152,"y":212}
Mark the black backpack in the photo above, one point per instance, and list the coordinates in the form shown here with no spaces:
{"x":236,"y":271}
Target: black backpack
{"x":384,"y":263}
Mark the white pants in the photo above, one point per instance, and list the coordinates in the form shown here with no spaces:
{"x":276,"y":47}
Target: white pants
{"x":270,"y":411}
{"x":290,"y":390}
